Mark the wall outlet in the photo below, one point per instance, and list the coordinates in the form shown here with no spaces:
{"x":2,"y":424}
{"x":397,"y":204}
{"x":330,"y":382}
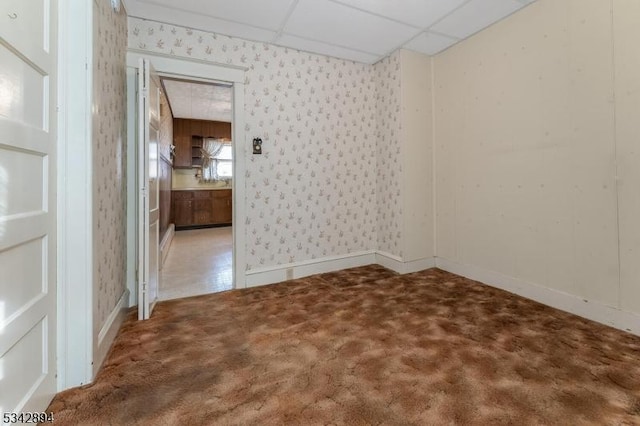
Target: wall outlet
{"x":289,"y":274}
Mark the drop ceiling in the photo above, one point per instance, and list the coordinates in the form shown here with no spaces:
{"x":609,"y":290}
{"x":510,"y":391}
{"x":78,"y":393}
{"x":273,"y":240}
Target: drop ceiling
{"x":360,"y":30}
{"x":198,"y":100}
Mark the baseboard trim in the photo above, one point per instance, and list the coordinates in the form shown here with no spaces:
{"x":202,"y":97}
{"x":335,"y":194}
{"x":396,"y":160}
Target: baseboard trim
{"x":165,"y":244}
{"x":109,"y":331}
{"x":400,"y":266}
{"x":589,"y":309}
{"x":275,"y":274}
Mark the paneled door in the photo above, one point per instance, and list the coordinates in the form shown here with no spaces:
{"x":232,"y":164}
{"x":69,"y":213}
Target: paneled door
{"x":28,"y":39}
{"x":149,"y":188}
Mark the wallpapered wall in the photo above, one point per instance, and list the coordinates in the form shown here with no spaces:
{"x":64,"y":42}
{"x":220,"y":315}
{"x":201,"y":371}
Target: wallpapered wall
{"x":313,"y":191}
{"x":109,"y":138}
{"x":388,"y":134}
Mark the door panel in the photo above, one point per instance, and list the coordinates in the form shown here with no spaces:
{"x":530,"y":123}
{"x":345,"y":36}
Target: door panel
{"x":24,"y":25}
{"x":23,"y":90}
{"x":27,"y":204}
{"x":148,"y":184}
{"x":183,"y":212}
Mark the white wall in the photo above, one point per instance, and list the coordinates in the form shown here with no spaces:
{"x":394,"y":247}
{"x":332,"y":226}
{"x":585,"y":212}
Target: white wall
{"x":626,"y":35}
{"x":404,"y":146}
{"x":416,"y":156}
{"x":531,"y":117}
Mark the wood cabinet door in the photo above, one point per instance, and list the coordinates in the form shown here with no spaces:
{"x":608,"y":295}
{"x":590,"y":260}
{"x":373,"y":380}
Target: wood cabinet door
{"x":196,"y":128}
{"x":182,"y":141}
{"x":222,"y":207}
{"x":223,"y":130}
{"x":208,"y":129}
{"x":183,"y":212}
{"x":203,"y":212}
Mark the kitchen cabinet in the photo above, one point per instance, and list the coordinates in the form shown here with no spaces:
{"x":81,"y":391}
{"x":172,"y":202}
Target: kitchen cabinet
{"x":182,"y":209}
{"x":187,"y":138}
{"x":222,"y":207}
{"x":202,"y":208}
{"x":182,"y":142}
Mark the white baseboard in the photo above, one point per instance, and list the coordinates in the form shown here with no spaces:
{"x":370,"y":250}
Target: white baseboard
{"x":595,"y":311}
{"x":165,"y":244}
{"x":398,"y":265}
{"x":305,"y":268}
{"x":109,"y":331}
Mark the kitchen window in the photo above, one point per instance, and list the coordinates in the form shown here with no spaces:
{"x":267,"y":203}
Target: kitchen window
{"x":224,"y":161}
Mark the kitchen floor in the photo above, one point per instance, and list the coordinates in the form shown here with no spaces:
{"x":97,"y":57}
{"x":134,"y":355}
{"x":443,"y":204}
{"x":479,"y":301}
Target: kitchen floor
{"x":199,"y":262}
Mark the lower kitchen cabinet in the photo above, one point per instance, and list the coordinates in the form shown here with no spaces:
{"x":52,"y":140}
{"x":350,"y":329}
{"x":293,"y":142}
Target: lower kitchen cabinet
{"x":202,"y":208}
{"x":222,"y":210}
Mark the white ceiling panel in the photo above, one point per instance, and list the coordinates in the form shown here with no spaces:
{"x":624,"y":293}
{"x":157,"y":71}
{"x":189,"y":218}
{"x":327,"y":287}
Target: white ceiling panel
{"x":326,"y":49}
{"x":419,"y":13}
{"x":197,"y":21}
{"x":430,"y":43}
{"x":333,"y":23}
{"x":258,"y":13}
{"x":359,"y":30}
{"x":474,"y":16}
{"x":198,"y":101}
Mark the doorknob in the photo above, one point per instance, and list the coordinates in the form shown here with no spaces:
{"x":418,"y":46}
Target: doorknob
{"x":12,"y":15}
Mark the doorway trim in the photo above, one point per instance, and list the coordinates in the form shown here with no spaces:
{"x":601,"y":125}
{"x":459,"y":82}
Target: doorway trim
{"x":192,"y":69}
{"x":75,"y":340}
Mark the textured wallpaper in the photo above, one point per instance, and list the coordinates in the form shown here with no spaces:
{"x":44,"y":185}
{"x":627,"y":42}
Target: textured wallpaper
{"x":109,"y":138}
{"x":388,"y":179}
{"x":312,"y":193}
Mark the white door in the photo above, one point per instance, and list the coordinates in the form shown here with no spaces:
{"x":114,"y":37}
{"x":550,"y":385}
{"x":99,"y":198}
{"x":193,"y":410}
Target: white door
{"x":148,"y":194}
{"x":28,"y":40}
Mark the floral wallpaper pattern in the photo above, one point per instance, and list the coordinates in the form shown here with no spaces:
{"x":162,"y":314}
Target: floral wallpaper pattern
{"x":312,"y":193}
{"x":388,"y":135}
{"x":109,"y":138}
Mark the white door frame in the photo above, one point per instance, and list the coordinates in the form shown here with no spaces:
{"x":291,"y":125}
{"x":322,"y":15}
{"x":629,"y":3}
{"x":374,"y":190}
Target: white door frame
{"x":190,"y":69}
{"x":75,"y":213}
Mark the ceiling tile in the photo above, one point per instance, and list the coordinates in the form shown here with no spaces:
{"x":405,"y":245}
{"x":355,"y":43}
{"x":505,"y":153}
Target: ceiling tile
{"x":430,"y":43}
{"x":259,"y":13}
{"x":359,"y":30}
{"x":325,"y":49}
{"x":198,"y":21}
{"x":333,"y":23}
{"x":474,"y":16}
{"x":420,"y":13}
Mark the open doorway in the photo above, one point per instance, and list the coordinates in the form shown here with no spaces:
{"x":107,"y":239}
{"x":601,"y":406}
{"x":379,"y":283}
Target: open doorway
{"x":182,"y":69}
{"x":196,"y":188}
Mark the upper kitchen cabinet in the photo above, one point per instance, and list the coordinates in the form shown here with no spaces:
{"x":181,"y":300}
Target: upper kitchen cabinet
{"x":182,"y":142}
{"x":188,"y":134}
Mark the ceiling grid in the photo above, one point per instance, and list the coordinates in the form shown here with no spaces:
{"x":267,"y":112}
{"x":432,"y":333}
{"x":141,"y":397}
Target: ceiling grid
{"x":359,"y":30}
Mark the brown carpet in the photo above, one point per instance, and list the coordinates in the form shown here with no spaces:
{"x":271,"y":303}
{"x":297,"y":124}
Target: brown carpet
{"x":362,"y":346}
